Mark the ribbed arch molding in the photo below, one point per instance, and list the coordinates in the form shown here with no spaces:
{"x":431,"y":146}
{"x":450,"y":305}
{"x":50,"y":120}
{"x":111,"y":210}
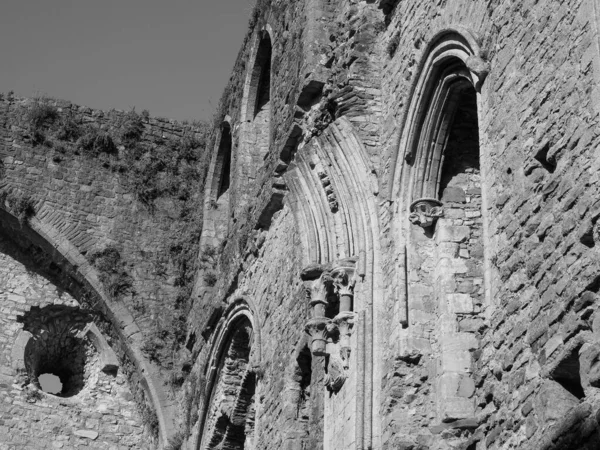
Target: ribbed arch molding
{"x":61,"y":251}
{"x":233,"y":365}
{"x":332,"y":193}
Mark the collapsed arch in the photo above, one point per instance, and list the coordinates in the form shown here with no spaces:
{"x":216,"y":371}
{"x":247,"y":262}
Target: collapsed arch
{"x":58,"y":260}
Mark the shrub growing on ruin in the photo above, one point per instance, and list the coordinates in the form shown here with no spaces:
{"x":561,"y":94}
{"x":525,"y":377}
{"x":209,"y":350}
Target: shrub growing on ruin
{"x":150,"y":419}
{"x":68,"y":130}
{"x":41,"y":114}
{"x":132,"y":129}
{"x":32,"y":395}
{"x":210,"y":278}
{"x":94,"y":141}
{"x":393,"y":45}
{"x":153,"y":348}
{"x":19,"y":204}
{"x":176,"y":441}
{"x":112,"y":271}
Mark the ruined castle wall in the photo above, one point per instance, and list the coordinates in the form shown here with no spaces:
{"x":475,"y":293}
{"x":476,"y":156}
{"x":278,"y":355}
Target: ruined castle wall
{"x":103,"y":415}
{"x":89,"y":200}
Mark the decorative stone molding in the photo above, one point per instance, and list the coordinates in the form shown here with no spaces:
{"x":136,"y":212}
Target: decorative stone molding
{"x":339,"y":279}
{"x":424,"y":212}
{"x":329,"y":192}
{"x":342,"y":276}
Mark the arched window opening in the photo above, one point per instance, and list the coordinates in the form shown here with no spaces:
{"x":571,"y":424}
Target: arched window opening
{"x":229,"y":419}
{"x":260,"y":83}
{"x":263,"y":64}
{"x":460,"y":169}
{"x":446,"y":204}
{"x":256,"y":113}
{"x":224,"y":160}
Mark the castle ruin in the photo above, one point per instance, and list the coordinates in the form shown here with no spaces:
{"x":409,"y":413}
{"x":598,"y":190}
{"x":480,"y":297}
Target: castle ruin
{"x":386,"y":241}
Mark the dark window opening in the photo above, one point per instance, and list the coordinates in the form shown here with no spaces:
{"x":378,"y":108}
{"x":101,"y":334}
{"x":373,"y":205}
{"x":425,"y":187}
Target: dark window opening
{"x":263,"y":66}
{"x":461,"y":155}
{"x":224,"y":160}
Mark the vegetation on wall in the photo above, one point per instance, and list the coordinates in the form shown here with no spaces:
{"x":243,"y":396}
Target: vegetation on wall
{"x":165,"y":174}
{"x":112,"y":271}
{"x":21,"y":205}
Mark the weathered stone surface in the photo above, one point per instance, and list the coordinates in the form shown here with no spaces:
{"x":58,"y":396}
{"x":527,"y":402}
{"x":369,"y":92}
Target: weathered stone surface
{"x":477,"y":331}
{"x":89,"y":434}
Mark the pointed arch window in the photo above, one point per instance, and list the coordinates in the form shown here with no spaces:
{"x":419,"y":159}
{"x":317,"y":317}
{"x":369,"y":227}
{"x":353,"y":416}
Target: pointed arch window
{"x":228,"y":418}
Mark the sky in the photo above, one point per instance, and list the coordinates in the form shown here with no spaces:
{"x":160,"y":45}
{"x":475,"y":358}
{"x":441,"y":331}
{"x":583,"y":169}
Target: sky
{"x":171,"y":57}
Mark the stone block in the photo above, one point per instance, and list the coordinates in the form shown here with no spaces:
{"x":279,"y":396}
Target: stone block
{"x":454,"y":194}
{"x":460,"y":303}
{"x":452,"y":233}
{"x":455,"y":408}
{"x":89,"y":434}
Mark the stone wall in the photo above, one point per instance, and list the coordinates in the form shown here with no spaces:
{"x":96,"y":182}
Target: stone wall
{"x":102,"y":415}
{"x":100,"y":237}
{"x":407,"y":243}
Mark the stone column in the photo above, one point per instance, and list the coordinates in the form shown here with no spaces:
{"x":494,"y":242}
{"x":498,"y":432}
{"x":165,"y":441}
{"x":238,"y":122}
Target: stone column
{"x":317,"y":326}
{"x":344,"y":281}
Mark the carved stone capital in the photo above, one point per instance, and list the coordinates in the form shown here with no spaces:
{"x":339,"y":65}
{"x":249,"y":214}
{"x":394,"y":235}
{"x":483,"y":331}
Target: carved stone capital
{"x":425,"y":211}
{"x":317,"y":292}
{"x":317,"y":330}
{"x":343,"y":276}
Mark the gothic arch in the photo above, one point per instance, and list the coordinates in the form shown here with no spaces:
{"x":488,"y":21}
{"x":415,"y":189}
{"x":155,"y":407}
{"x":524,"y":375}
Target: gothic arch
{"x":233,"y":365}
{"x":220,"y":166}
{"x":255,"y":130}
{"x":80,"y":278}
{"x":453,"y":54}
{"x":452,"y":62}
{"x":333,"y":192}
{"x":217,"y":198}
{"x":439,"y":222}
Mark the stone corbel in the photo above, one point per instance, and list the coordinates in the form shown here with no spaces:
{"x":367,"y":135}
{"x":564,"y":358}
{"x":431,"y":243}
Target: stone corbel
{"x":479,"y":70}
{"x":424,"y":212}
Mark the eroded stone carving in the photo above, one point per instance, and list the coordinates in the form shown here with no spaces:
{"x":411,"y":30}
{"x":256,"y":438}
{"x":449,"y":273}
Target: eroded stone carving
{"x":424,"y":212}
{"x":329,"y":192}
{"x":336,"y":373}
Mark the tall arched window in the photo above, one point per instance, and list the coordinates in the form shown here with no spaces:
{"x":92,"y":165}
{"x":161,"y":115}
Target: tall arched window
{"x":256,"y":110}
{"x":223,"y":164}
{"x":228,"y":418}
{"x":442,"y":197}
